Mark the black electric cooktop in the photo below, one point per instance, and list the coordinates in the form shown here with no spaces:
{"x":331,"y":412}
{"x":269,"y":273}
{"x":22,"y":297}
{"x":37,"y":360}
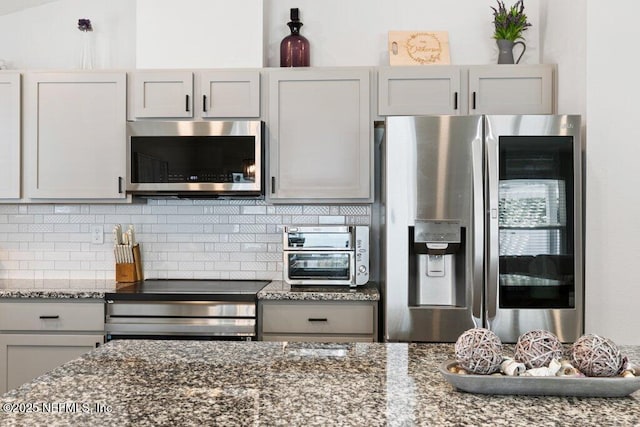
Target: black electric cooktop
{"x":185,"y":289}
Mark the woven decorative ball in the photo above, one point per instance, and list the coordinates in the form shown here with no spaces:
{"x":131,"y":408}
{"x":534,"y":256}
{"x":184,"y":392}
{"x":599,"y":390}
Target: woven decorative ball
{"x":596,"y":356}
{"x":479,"y":351}
{"x":537,"y":348}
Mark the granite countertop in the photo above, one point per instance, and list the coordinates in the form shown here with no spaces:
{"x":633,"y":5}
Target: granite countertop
{"x":280,"y":290}
{"x":276,"y":290}
{"x":146,"y":383}
{"x":55,"y":288}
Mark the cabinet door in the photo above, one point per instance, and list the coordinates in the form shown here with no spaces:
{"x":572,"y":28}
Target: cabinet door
{"x":230,"y":93}
{"x":419,"y":90}
{"x":24,"y":357}
{"x":511,"y":89}
{"x":9,"y":135}
{"x":75,"y":135}
{"x":320,"y":135}
{"x":163,"y":94}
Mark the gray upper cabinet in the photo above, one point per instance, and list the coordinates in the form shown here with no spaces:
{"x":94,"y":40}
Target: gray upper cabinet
{"x":419,"y":90}
{"x":511,"y":89}
{"x":10,"y":169}
{"x":175,"y":94}
{"x":167,"y":94}
{"x":320,"y":135}
{"x":230,"y":93}
{"x":469,"y":89}
{"x":74,"y":146}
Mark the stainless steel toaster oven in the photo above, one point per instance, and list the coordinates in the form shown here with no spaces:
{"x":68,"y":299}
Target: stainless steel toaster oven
{"x":326,"y":255}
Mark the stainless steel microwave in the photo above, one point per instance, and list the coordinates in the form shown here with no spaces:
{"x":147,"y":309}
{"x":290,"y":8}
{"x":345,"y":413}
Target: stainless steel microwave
{"x":326,"y":255}
{"x":195,"y":158}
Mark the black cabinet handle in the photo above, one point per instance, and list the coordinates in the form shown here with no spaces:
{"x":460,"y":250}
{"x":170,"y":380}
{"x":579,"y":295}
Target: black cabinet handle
{"x":317,"y":319}
{"x":120,"y":185}
{"x":455,"y":100}
{"x":204,"y":103}
{"x":273,"y":185}
{"x":186,"y":107}
{"x":474,"y":101}
{"x":50,"y":317}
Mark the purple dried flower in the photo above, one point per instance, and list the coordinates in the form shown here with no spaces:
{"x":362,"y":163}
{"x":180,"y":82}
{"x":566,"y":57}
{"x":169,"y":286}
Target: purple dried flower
{"x":509,"y":23}
{"x":85,"y":25}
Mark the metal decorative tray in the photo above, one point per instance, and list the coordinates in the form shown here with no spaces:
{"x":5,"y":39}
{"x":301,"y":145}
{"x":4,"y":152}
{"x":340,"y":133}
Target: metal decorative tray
{"x":540,"y":386}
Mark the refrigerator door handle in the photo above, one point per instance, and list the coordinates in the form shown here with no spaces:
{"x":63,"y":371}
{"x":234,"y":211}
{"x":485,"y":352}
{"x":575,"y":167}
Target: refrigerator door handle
{"x":478,"y":231}
{"x":492,"y":236}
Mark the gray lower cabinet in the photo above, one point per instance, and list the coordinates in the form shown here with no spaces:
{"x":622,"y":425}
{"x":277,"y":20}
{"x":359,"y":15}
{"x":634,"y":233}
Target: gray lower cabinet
{"x":319,"y":321}
{"x":37,"y":336}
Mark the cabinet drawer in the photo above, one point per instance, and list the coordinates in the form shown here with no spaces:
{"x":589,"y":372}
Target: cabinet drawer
{"x":51,"y":316}
{"x":318,"y":318}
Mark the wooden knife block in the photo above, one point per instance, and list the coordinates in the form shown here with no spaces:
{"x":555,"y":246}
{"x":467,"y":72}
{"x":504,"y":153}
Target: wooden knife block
{"x":130,"y":272}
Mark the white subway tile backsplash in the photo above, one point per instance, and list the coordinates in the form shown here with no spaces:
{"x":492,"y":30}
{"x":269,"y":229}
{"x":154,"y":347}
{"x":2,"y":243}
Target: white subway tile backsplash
{"x":242,"y":256}
{"x":242,"y":238}
{"x":331,"y":220}
{"x":190,"y":210}
{"x":63,"y":228}
{"x":316,"y":210}
{"x":129,"y":209}
{"x":268,"y":219}
{"x":215,"y":219}
{"x":204,"y":239}
{"x":355,"y":210}
{"x":102,"y":209}
{"x":226,"y":228}
{"x":64,"y":209}
{"x":255,"y":210}
{"x":301,"y":219}
{"x":288,"y":210}
{"x":5,"y":209}
{"x":242,"y":219}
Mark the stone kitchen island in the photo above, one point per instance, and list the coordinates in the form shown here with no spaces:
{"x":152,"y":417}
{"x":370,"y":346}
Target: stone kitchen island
{"x":274,"y":383}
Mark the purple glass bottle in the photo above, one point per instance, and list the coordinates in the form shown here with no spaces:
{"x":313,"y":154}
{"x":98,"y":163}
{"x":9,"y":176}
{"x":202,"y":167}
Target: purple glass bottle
{"x":294,"y":49}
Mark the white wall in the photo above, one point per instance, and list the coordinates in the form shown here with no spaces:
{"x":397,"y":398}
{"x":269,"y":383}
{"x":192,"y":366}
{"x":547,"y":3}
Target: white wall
{"x":199,"y":33}
{"x":563,"y":37}
{"x":48,"y":37}
{"x":613,"y":179}
{"x":354,"y":32}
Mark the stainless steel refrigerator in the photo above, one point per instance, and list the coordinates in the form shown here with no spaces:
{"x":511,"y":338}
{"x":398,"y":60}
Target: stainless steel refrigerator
{"x":482,"y":226}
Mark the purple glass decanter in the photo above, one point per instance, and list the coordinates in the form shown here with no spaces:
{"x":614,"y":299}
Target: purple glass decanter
{"x":294,"y":49}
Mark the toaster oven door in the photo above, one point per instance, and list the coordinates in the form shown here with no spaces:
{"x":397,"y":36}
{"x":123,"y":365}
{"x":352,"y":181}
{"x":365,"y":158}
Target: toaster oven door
{"x":319,"y":267}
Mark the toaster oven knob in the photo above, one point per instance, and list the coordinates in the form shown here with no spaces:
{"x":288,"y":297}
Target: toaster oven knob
{"x":362,"y":269}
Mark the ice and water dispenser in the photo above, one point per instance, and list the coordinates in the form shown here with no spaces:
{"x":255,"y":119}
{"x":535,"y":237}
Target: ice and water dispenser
{"x":436,"y":262}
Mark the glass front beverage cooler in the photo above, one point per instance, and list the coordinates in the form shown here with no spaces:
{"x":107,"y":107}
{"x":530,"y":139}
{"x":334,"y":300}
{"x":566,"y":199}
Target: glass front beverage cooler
{"x":534,"y":263}
{"x":535,"y":222}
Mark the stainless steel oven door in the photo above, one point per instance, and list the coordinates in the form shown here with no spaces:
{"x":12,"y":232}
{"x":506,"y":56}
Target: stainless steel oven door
{"x":181,"y":319}
{"x":319,"y":267}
